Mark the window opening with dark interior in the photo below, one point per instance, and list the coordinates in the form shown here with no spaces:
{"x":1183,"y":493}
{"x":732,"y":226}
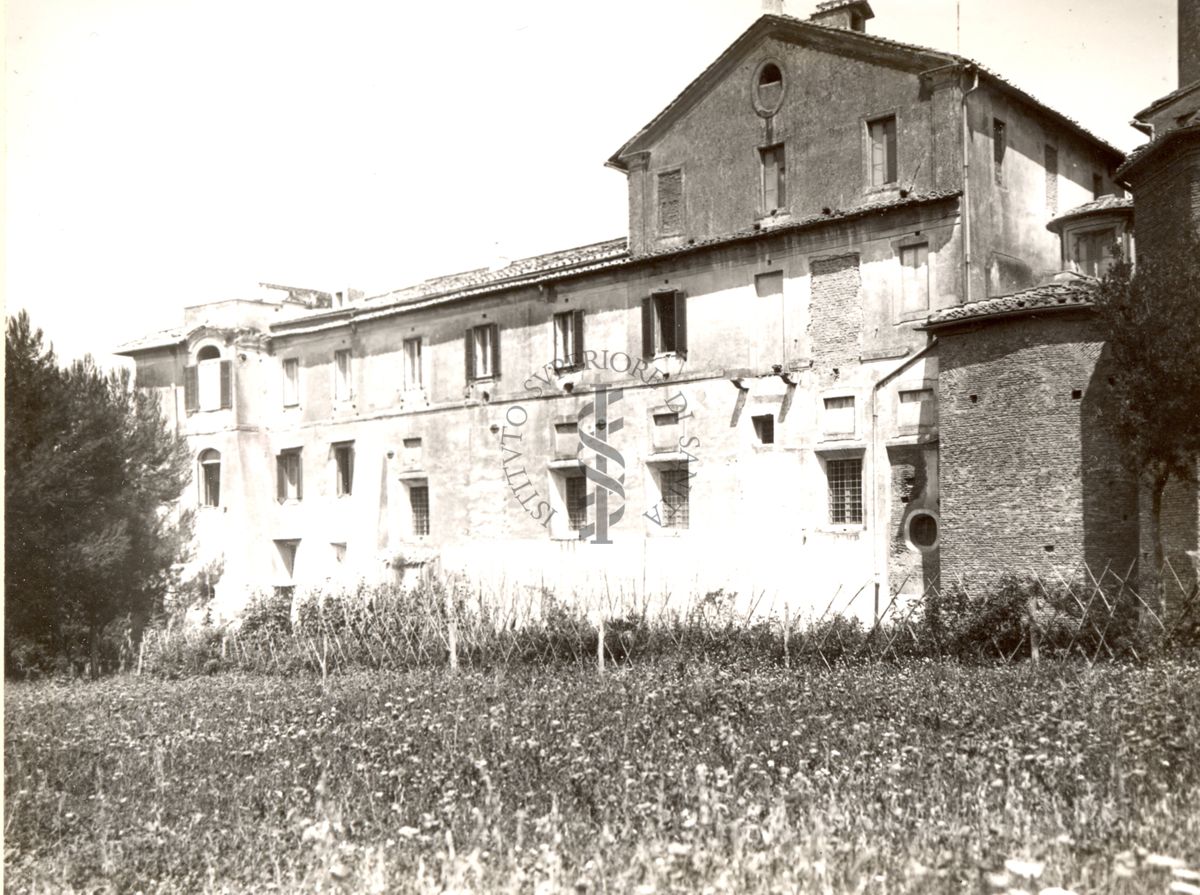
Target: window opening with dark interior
{"x":769,"y":90}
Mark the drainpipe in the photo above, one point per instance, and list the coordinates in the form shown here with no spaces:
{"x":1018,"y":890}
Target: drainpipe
{"x":879,"y":552}
{"x":966,"y":188}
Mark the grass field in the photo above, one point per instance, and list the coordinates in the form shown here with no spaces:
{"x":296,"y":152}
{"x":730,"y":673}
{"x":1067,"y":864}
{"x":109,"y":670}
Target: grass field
{"x":881,"y":778}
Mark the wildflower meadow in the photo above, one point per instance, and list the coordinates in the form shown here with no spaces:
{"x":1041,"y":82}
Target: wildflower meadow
{"x":889,"y":777}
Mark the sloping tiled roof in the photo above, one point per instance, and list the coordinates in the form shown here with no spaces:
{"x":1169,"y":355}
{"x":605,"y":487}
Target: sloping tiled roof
{"x":1104,"y":203}
{"x":162,"y":339}
{"x":1077,"y":293}
{"x":1146,"y":150}
{"x":767,"y":22}
{"x":585,"y":259}
{"x":1166,"y":100}
{"x":561,"y":260}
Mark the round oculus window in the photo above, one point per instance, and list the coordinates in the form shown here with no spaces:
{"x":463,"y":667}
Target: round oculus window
{"x":923,"y":531}
{"x":768,"y":88}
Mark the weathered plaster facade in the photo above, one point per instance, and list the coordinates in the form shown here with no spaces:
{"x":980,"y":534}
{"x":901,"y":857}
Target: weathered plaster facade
{"x":809,"y":201}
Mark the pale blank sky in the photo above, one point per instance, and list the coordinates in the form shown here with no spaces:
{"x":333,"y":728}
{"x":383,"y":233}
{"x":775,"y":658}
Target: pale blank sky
{"x":161,"y":154}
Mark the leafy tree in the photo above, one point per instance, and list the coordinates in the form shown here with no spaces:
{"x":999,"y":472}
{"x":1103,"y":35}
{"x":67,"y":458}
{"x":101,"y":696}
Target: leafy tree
{"x":91,"y":471}
{"x":1151,"y":316}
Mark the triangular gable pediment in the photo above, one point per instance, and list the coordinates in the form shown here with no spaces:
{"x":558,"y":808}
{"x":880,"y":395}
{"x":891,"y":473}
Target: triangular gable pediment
{"x":839,"y":41}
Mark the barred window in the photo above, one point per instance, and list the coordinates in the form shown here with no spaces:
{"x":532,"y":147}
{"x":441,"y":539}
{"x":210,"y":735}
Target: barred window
{"x":676,"y":485}
{"x":418,"y":499}
{"x":845,"y":491}
{"x":576,"y":502}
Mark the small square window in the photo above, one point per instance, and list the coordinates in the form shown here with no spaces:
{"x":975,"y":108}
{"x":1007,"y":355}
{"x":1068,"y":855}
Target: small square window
{"x":845,"y":491}
{"x":769,"y":283}
{"x":343,"y":456}
{"x":666,"y":419}
{"x":839,"y":415}
{"x":764,"y":428}
{"x":412,"y":453}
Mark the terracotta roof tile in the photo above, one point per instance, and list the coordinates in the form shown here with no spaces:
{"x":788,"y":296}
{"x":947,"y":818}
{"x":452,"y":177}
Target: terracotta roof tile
{"x":161,"y":339}
{"x":1076,"y":293}
{"x":1104,"y":203}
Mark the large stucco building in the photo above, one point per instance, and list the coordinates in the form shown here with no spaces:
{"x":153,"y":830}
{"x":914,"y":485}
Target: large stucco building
{"x":848,"y":357}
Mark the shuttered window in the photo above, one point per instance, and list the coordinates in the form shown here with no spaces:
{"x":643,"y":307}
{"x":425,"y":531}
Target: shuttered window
{"x":568,"y":340}
{"x":289,"y":473}
{"x":664,"y":324}
{"x":482,"y":345}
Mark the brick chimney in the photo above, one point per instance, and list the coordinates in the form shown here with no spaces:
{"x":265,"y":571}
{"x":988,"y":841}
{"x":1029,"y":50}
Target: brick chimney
{"x":852,"y":15}
{"x":1189,"y":42}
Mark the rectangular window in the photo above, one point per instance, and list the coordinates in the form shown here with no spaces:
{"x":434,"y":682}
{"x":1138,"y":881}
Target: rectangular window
{"x":845,"y":491}
{"x":670,"y":202}
{"x":676,"y":487}
{"x":1094,"y":253}
{"x":210,"y":486}
{"x":341,"y":375}
{"x":882,"y":135}
{"x":568,"y":340}
{"x":770,"y":283}
{"x":664,"y":324}
{"x":291,"y":381}
{"x":412,"y":364}
{"x":1097,"y":186}
{"x":576,"y":500}
{"x":914,"y":278}
{"x":774,"y":178}
{"x":764,"y":428}
{"x":916,"y":395}
{"x":1051,"y":179}
{"x":999,"y":148}
{"x":208,"y":383}
{"x":483,"y":352}
{"x":412,"y":453}
{"x":287,"y":562}
{"x":418,"y":500}
{"x":343,"y":458}
{"x":289,"y":472}
{"x":839,"y":415}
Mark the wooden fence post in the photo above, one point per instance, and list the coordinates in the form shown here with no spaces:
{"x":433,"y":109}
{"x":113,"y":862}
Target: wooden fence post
{"x":600,"y":645}
{"x":451,"y":630}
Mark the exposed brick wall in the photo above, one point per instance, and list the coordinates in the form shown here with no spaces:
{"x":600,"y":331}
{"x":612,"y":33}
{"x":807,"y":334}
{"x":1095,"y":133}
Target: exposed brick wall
{"x":1180,"y":527}
{"x":1189,"y":41}
{"x":909,"y":570}
{"x":1031,"y":477}
{"x":835,"y":311}
{"x":1166,"y":193}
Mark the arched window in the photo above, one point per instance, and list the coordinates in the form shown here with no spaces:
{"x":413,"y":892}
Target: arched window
{"x":210,"y":478}
{"x":208,"y":383}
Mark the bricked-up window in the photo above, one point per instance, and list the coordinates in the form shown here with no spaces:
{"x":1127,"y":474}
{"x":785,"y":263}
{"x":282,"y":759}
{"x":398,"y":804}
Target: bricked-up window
{"x":418,"y":501}
{"x":664,"y":324}
{"x":210,"y":478}
{"x":483,"y":352}
{"x":343,"y":458}
{"x":412,"y":453}
{"x":839,"y":415}
{"x":568,"y":340}
{"x":764,"y":428}
{"x":1051,"y":179}
{"x":576,"y":500}
{"x":341,"y":375}
{"x":914,"y":278}
{"x":289,"y":472}
{"x":774,"y":178}
{"x":999,"y":148}
{"x":291,"y":381}
{"x":1097,"y":186}
{"x":675,"y":484}
{"x":208,"y":384}
{"x":882,"y":136}
{"x":412,"y":364}
{"x":845,"y":491}
{"x":670,"y":202}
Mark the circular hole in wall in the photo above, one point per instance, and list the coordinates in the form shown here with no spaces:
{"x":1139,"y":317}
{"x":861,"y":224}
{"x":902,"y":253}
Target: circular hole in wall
{"x":923,"y":530}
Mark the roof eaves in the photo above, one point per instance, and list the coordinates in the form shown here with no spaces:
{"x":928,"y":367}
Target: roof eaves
{"x":1147,"y":150}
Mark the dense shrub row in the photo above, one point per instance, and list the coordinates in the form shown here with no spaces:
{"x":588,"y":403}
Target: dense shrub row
{"x":441,"y":623}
